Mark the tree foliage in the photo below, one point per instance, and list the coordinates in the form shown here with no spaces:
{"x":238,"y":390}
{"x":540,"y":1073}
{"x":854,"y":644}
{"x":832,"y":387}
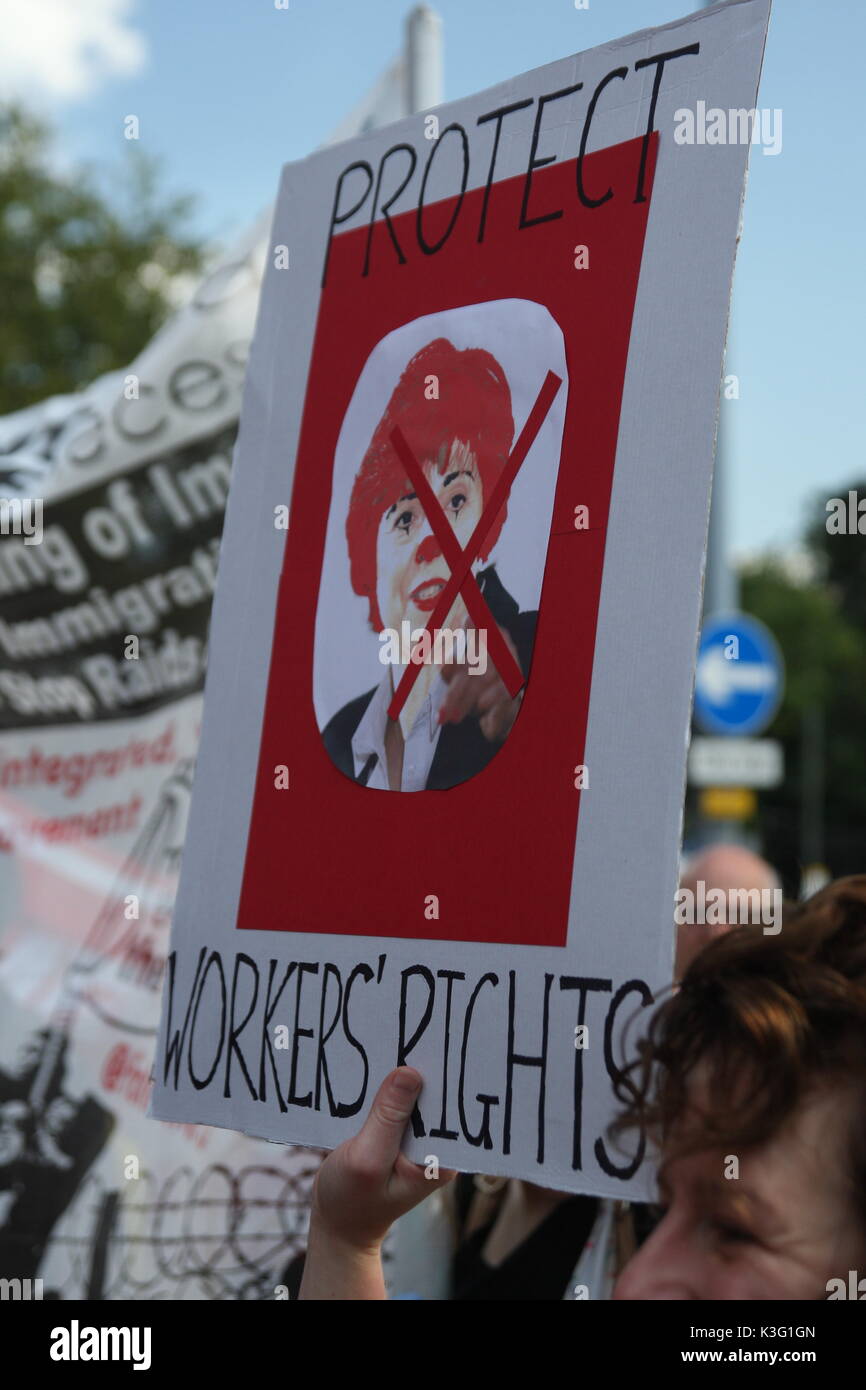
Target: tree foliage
{"x":841,"y":558}
{"x":85,"y":280}
{"x":820,"y":625}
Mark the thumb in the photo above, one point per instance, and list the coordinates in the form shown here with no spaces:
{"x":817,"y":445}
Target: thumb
{"x":377,"y":1144}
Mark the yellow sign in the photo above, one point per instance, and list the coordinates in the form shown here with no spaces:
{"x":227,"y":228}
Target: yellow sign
{"x":728,"y":803}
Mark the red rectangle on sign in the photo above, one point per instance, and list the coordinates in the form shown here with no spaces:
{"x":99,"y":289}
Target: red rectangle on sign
{"x":479,"y":847}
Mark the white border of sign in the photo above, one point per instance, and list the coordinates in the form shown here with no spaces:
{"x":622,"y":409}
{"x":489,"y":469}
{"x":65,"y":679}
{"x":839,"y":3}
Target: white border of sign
{"x":625,"y":866}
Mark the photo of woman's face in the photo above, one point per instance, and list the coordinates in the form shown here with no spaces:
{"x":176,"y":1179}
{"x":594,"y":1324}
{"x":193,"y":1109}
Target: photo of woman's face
{"x":411,"y":571}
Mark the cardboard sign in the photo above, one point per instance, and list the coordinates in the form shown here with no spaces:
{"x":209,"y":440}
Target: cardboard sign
{"x":436,"y":815}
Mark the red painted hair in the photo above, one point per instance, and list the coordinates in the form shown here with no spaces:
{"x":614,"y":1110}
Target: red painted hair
{"x":473,"y":406}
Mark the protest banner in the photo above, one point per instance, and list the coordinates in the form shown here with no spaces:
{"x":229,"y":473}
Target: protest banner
{"x":436,"y":814}
{"x":96,"y":756}
{"x":125,"y":484}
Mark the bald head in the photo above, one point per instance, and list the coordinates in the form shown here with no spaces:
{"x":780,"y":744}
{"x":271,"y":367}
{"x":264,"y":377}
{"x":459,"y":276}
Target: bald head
{"x":724,"y":867}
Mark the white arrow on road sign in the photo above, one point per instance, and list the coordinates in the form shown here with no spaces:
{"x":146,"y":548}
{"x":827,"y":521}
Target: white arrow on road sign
{"x":721,"y":679}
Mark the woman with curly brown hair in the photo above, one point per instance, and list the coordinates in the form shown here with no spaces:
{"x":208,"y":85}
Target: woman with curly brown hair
{"x":758,"y":1105}
{"x":751,"y":1082}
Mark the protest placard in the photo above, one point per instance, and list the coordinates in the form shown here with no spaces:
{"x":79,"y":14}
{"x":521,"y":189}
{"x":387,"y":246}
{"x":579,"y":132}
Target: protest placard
{"x":436,"y":815}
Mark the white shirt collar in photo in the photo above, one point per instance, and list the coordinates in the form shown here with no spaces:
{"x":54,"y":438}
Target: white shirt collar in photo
{"x":419,"y":748}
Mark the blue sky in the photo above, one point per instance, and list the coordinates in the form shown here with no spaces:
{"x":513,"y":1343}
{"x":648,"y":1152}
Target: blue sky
{"x":228,"y":90}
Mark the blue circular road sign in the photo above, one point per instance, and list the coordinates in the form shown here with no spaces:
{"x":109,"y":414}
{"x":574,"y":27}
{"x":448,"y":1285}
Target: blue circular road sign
{"x":740,"y":676}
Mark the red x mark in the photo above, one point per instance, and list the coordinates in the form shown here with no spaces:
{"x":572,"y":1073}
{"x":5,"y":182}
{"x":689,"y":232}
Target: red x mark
{"x":459,"y":561}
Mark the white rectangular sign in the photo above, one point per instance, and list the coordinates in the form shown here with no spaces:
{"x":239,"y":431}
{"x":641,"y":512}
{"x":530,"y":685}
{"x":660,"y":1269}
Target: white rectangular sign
{"x":436,"y":815}
{"x":736,"y":762}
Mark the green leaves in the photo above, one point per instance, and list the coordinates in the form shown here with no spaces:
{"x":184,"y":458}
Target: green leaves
{"x":86,"y":279}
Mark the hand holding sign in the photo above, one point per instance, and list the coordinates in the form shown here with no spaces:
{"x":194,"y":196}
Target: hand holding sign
{"x":361,"y":1189}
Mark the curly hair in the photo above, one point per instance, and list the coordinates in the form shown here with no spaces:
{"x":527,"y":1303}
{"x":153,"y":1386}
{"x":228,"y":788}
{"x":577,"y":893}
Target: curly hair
{"x":771,"y":1019}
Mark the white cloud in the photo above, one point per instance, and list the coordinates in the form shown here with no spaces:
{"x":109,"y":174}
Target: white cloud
{"x":64,"y":49}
